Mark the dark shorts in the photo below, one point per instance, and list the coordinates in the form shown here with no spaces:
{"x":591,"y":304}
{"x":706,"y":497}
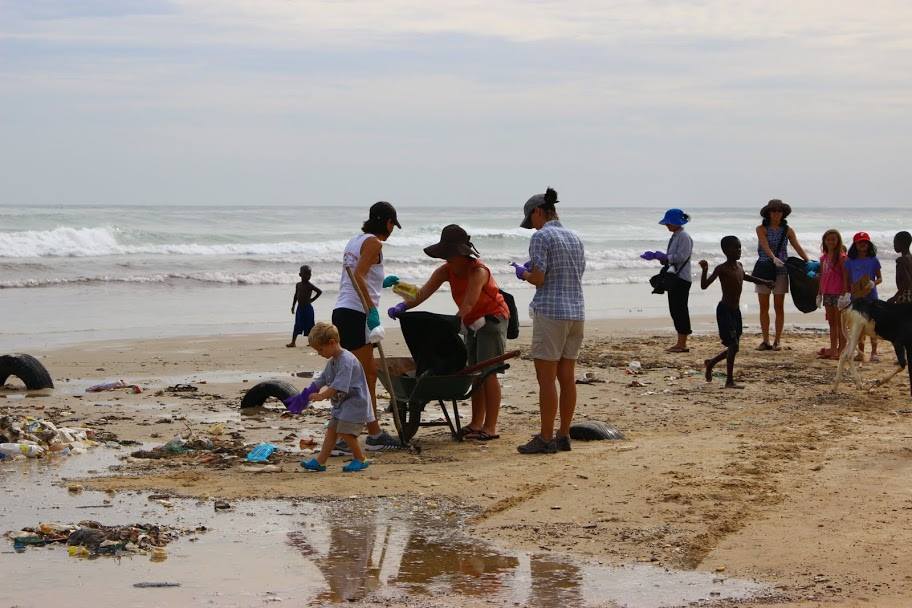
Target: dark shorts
{"x":304,"y":320}
{"x":730,"y":325}
{"x":352,"y":326}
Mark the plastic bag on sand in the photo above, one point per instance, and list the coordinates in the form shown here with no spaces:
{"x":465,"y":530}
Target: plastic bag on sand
{"x":261,"y":452}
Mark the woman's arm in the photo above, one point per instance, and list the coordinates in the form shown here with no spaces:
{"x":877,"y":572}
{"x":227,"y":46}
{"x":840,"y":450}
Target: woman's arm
{"x":878,"y":278}
{"x":477,"y":280}
{"x":764,"y":242}
{"x":793,"y":239}
{"x":370,"y":253}
{"x":438,"y":278}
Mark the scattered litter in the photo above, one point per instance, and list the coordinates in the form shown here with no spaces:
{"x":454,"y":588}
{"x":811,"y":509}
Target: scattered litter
{"x":634,"y":368}
{"x":155,"y":585}
{"x":635,"y":384}
{"x":261,"y":452}
{"x":589,"y":378}
{"x":221,"y":505}
{"x":182,"y":388}
{"x":304,"y":374}
{"x":269,"y":468}
{"x":91,"y":539}
{"x":217,"y":429}
{"x":113,"y":386}
{"x":33,"y":438}
{"x":307,"y":441}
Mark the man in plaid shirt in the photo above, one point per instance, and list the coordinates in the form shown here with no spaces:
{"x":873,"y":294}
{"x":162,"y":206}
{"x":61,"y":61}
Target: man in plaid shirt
{"x":556,"y":266}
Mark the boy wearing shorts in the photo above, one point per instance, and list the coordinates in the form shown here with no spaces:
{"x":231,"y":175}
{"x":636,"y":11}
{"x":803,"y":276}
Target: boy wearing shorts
{"x":728,"y":312}
{"x":343,"y":382}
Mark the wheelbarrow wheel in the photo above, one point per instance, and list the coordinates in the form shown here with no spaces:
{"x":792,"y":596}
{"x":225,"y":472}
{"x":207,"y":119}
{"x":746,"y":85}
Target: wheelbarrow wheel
{"x":410,"y":419}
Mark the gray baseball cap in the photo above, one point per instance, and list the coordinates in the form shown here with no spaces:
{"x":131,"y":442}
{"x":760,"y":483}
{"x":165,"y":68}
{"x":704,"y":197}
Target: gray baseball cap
{"x":537,"y":200}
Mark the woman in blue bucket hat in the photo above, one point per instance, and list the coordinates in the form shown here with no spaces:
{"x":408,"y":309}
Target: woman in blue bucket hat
{"x":677,"y":257}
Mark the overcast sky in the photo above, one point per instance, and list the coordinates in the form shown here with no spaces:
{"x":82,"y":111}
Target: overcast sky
{"x":713,"y":102}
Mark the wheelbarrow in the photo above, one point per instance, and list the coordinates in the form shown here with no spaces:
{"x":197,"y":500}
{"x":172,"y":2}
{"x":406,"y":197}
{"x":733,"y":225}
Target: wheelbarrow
{"x":436,"y":372}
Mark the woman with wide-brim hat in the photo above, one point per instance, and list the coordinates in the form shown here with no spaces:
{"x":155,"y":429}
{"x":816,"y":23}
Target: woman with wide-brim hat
{"x":773,"y":237}
{"x":482,"y":310}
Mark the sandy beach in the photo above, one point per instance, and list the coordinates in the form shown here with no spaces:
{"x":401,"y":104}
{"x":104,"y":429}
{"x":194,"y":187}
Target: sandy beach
{"x":782,"y":483}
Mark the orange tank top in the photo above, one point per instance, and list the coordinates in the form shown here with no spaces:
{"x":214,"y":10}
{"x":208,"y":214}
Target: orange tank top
{"x":490,"y":302}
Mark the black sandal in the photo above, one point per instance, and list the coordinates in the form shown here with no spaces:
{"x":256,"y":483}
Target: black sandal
{"x":464,"y":432}
{"x":764,"y":346}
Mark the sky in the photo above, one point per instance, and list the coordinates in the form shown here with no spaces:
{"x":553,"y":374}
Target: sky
{"x":245,"y":102}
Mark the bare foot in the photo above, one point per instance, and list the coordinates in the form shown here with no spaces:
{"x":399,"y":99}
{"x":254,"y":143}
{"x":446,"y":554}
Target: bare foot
{"x":734,"y":386}
{"x":709,"y":369}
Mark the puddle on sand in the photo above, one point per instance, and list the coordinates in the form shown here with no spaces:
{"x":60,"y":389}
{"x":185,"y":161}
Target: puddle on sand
{"x":390,"y":550}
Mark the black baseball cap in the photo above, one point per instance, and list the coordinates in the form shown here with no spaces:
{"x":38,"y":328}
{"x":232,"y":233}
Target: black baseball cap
{"x":384,"y":211}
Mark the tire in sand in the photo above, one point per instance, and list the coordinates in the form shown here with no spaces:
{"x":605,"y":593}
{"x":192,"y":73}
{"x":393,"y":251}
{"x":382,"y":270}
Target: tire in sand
{"x":260,"y":393}
{"x":28,"y":369}
{"x":594,"y":430}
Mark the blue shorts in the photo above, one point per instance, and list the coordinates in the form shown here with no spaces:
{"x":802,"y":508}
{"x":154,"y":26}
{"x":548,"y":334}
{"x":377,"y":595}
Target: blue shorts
{"x":304,"y":320}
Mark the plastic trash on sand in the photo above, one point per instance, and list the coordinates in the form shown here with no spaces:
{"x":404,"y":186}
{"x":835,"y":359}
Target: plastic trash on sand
{"x":261,"y":452}
{"x":113,"y":386}
{"x":634,"y":367}
{"x":28,"y":450}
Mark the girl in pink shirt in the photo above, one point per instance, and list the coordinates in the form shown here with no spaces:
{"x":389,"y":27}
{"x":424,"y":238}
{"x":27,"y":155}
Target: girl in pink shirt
{"x":832,"y":286}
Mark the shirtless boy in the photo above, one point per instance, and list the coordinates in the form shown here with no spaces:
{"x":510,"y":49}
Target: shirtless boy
{"x":306,"y":293}
{"x":728,"y":313}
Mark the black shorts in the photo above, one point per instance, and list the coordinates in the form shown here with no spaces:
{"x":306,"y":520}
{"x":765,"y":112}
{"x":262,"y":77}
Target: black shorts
{"x":730,"y":325}
{"x":352,"y":326}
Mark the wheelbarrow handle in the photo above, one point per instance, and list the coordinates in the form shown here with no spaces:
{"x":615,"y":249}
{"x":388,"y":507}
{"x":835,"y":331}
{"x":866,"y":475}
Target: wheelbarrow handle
{"x":483,"y":364}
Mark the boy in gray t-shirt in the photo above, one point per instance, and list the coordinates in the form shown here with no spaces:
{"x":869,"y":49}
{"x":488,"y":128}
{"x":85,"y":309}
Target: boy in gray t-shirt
{"x":344,"y":384}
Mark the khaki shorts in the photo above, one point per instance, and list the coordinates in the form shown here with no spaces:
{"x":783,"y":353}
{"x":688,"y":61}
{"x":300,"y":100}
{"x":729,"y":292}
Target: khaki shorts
{"x":781,"y":287}
{"x":488,"y":342}
{"x":555,"y":339}
{"x":346,"y":428}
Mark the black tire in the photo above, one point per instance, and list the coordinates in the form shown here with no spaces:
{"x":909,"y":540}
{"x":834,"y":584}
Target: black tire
{"x":28,"y":369}
{"x":594,"y":430}
{"x":260,"y":393}
{"x":410,"y":417}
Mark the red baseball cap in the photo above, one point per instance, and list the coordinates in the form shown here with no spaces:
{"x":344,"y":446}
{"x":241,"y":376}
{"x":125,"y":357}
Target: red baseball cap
{"x":861,"y":236}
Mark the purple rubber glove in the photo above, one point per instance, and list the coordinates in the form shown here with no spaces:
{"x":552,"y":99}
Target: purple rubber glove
{"x":298,"y":403}
{"x":395,"y":311}
{"x":521,"y":270}
{"x":654,"y":255}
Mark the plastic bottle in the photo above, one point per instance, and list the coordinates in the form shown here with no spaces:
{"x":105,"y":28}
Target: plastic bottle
{"x":406,"y":291}
{"x":25,"y":449}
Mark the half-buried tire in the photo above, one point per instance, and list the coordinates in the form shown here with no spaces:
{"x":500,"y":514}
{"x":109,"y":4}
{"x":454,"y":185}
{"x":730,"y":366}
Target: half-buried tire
{"x":594,"y":430}
{"x":28,"y":369}
{"x":260,"y":393}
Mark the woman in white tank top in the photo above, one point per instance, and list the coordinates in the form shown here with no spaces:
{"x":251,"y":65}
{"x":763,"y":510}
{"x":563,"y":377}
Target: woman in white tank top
{"x":363,"y":254}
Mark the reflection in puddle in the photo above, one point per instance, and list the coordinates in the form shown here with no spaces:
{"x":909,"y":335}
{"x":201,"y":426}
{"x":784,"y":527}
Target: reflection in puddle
{"x":425,"y":553}
{"x":389,"y":550}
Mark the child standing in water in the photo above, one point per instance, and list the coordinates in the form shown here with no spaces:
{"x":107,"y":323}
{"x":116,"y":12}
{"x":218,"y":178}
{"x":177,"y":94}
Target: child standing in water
{"x":863,"y":263}
{"x":832,"y":286}
{"x":728,"y":313}
{"x":901,"y":243}
{"x":306,"y":293}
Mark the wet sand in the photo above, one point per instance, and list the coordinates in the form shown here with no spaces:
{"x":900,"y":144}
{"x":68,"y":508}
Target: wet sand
{"x":782,"y":483}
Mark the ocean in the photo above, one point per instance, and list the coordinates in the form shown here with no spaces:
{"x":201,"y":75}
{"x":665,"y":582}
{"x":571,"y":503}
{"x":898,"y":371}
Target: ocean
{"x":80,"y":273}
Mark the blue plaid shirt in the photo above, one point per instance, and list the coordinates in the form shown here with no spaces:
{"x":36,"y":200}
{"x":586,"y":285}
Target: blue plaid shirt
{"x":558,"y":252}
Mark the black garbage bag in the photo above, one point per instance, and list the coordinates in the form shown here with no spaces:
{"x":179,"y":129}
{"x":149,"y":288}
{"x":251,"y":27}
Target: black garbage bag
{"x":434,"y":342}
{"x":802,"y":287}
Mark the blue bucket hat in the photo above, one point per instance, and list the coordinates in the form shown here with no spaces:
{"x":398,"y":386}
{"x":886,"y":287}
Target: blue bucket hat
{"x":675,"y":217}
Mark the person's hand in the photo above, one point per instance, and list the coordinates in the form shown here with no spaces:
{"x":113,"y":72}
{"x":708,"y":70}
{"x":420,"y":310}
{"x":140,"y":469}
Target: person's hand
{"x":298,"y":403}
{"x":292,"y":310}
{"x":660,"y":256}
{"x":704,"y":264}
{"x":779,"y":263}
{"x":768,"y":283}
{"x":819,"y":300}
{"x":390,"y":281}
{"x":844,"y":300}
{"x":373,"y":318}
{"x":395,"y":311}
{"x":521,"y":270}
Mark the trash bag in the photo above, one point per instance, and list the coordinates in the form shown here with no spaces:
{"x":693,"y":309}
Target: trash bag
{"x":802,"y":287}
{"x":434,"y":342}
